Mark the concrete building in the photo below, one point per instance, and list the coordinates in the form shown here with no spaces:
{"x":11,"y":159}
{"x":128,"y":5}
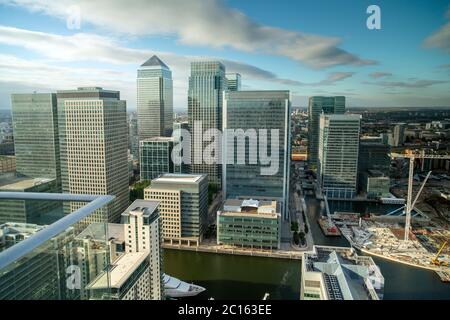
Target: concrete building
{"x":7,"y":164}
{"x":156,"y":157}
{"x":183,"y":206}
{"x":249,"y":112}
{"x":338,"y":154}
{"x":92,"y":125}
{"x":333,"y":273}
{"x":154,"y":99}
{"x":207,"y":83}
{"x":249,"y":223}
{"x":316,"y":106}
{"x":233,"y":81}
{"x":35,"y":126}
{"x":135,"y":255}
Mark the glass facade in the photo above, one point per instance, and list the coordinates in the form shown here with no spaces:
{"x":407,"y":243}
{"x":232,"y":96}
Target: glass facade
{"x":49,"y":261}
{"x":257,"y":110}
{"x":338,"y":154}
{"x":207,"y":83}
{"x":154,"y":99}
{"x":316,"y":106}
{"x":35,"y":126}
{"x":248,"y":231}
{"x":156,"y":157}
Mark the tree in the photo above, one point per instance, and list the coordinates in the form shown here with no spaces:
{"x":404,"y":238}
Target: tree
{"x":137,"y":190}
{"x":306,"y":228}
{"x":296,"y":238}
{"x":294,"y":226}
{"x":302,"y":238}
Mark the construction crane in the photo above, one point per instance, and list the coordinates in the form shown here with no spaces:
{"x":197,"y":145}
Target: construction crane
{"x":435,"y":260}
{"x":412,"y":156}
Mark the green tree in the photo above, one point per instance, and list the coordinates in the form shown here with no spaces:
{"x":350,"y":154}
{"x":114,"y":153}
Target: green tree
{"x":294,"y":226}
{"x":137,"y":190}
{"x":296,"y":238}
{"x":212,"y":191}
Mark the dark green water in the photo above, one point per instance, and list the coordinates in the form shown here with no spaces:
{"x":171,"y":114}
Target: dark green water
{"x":235,"y":277}
{"x":241,"y":277}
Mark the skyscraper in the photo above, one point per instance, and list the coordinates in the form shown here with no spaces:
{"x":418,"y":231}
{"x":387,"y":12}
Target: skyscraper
{"x":257,"y":110}
{"x":36,"y":142}
{"x":233,"y":81}
{"x":399,"y":134}
{"x":154,"y":99}
{"x":93,"y":142}
{"x":133,"y":135}
{"x":205,"y":98}
{"x":338,"y":154}
{"x":316,"y":106}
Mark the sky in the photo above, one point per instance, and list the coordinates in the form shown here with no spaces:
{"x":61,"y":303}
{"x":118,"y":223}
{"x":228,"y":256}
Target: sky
{"x":308,"y":47}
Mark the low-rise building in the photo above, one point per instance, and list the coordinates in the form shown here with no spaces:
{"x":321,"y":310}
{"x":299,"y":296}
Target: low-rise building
{"x":155,"y":157}
{"x":334,"y":273}
{"x":249,"y":223}
{"x":375,"y":184}
{"x":183,"y":205}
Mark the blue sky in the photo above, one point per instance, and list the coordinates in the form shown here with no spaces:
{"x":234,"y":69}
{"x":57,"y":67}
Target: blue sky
{"x":308,"y":47}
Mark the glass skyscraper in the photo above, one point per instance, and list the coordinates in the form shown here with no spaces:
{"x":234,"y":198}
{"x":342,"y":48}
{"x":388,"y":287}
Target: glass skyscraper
{"x":207,"y":83}
{"x":233,"y":81}
{"x":338,"y":154}
{"x":318,"y":105}
{"x":257,"y":110}
{"x":35,"y":128}
{"x":154,"y":99}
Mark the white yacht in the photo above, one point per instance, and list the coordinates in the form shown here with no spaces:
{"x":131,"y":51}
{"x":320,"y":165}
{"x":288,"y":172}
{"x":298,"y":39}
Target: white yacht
{"x":175,"y":288}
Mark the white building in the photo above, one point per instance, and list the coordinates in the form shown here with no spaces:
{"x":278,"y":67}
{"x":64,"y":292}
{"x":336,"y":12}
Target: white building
{"x":333,"y":273}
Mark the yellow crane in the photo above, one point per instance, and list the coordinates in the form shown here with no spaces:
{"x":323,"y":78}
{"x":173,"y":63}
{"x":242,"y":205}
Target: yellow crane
{"x":436,"y":261}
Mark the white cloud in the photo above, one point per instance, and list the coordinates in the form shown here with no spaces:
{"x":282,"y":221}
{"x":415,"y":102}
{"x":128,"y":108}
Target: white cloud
{"x":204,"y":23}
{"x":440,"y":39}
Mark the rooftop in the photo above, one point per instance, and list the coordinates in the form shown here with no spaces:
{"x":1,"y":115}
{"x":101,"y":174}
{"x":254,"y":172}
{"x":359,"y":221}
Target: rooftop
{"x":154,"y":61}
{"x":158,"y":139}
{"x":250,"y":207}
{"x":13,"y":183}
{"x":146,"y":206}
{"x":121,"y":269}
{"x":346,"y":275}
{"x":179,"y":178}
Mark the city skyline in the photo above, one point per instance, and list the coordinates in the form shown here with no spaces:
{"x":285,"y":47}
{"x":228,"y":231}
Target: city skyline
{"x":290,"y":49}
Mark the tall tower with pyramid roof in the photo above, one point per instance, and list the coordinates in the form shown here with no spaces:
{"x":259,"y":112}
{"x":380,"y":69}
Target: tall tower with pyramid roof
{"x":154,"y":99}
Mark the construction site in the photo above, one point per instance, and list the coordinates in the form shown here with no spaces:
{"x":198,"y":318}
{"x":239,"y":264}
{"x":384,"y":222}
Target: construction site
{"x":420,"y":234}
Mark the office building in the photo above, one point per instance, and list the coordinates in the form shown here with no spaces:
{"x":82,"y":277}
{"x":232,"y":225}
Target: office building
{"x":183,"y":206}
{"x":35,"y":127}
{"x":399,"y":134}
{"x":26,"y":211}
{"x":338,"y":154}
{"x":316,"y":106}
{"x":249,"y":223}
{"x":92,"y":125}
{"x":333,"y":273}
{"x":154,"y":99}
{"x":233,"y":81}
{"x":253,"y":111}
{"x":207,"y":83}
{"x":156,"y":157}
{"x":375,"y":184}
{"x":372,"y":156}
{"x":7,"y":164}
{"x":133,"y":136}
